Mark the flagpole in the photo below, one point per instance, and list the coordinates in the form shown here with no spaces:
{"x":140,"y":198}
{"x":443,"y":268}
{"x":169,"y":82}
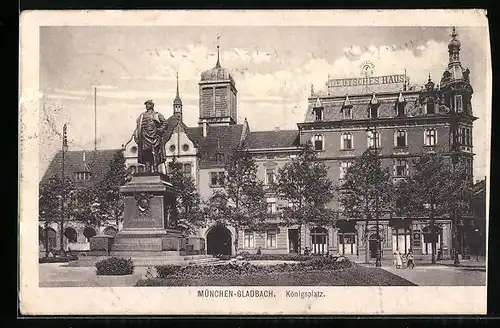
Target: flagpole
{"x":95,"y":119}
{"x":64,"y":145}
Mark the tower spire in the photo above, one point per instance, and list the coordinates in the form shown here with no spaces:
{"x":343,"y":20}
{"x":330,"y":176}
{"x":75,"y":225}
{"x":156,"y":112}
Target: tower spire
{"x":217,"y":65}
{"x":177,"y":83}
{"x":177,"y":100}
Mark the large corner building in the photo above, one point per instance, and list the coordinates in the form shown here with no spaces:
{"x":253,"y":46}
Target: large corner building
{"x":340,"y":123}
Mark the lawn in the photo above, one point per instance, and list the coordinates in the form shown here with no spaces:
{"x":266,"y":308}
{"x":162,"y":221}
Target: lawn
{"x":354,"y":276}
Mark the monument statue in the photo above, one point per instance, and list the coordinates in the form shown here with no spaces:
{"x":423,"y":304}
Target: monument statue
{"x":148,"y":134}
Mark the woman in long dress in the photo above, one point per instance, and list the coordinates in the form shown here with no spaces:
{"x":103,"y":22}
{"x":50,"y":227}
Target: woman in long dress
{"x":399,"y":260}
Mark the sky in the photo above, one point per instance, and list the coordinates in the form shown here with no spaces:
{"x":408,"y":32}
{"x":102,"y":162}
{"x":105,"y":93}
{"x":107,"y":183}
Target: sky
{"x":274,"y":68}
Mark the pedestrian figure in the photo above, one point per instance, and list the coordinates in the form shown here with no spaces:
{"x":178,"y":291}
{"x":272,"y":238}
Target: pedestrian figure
{"x":410,"y":263}
{"x":405,"y":260}
{"x":399,"y":261}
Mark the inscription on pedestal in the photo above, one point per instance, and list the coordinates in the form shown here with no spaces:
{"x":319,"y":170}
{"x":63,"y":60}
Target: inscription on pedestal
{"x":142,"y":214}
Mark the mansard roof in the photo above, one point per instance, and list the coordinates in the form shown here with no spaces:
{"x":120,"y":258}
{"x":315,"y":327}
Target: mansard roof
{"x":97,"y":161}
{"x":273,"y":139}
{"x":219,"y":140}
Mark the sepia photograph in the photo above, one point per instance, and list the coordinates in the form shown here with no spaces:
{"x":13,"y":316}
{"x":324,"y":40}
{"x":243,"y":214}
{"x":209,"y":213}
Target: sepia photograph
{"x":267,"y":162}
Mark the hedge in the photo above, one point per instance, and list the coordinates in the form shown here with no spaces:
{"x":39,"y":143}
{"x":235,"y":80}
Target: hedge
{"x":115,"y":266}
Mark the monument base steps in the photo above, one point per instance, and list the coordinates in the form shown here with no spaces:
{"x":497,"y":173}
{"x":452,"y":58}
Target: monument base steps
{"x":147,"y":259}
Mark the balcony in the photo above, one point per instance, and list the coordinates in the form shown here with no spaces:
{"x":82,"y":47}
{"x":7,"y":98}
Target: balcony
{"x":429,"y":149}
{"x":400,"y":150}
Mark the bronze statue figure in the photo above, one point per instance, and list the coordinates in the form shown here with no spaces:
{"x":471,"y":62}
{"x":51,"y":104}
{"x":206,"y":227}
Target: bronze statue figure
{"x":148,"y":134}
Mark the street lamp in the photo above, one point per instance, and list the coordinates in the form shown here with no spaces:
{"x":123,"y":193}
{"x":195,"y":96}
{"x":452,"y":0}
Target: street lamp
{"x":378,"y":259}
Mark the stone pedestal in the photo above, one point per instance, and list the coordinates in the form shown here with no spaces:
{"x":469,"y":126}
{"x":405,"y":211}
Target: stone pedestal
{"x":149,"y":217}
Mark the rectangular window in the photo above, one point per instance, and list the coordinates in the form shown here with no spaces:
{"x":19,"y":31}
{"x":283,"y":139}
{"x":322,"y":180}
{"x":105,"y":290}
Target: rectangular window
{"x":318,"y":142}
{"x":458,"y":103}
{"x":373,"y":139}
{"x":270,"y":176}
{"x":400,"y":138}
{"x":271,"y":207}
{"x":401,"y":167}
{"x":217,"y":179}
{"x":248,"y":239}
{"x":346,"y":141}
{"x":186,"y":169}
{"x":430,"y":137}
{"x":271,"y":238}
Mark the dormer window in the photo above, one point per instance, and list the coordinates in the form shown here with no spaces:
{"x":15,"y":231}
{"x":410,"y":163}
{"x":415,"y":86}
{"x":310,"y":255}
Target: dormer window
{"x":431,"y":107}
{"x":373,"y":109}
{"x":458,"y":103}
{"x":347,"y":108}
{"x":400,"y":106}
{"x":401,"y":109}
{"x":219,"y":157}
{"x":347,"y":112}
{"x":83,"y":176}
{"x":318,"y":114}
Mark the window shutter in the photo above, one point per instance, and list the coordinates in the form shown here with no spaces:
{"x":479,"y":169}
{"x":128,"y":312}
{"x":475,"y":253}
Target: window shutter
{"x":425,"y":139}
{"x":406,"y":138}
{"x":341,"y":141}
{"x":395,"y":138}
{"x":394,"y":163}
{"x":435,"y":137}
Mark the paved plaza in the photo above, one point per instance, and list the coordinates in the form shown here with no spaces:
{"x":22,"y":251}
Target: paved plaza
{"x":468,"y":273}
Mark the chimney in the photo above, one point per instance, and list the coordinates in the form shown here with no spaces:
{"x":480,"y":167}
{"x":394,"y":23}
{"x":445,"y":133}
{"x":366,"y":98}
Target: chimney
{"x":277,"y":129}
{"x":205,"y":128}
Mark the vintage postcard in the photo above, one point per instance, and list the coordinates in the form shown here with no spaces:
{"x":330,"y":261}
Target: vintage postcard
{"x":254,"y":162}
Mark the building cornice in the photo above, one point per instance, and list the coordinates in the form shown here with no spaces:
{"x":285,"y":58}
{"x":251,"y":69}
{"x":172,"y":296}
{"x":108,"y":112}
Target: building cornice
{"x":389,"y":121}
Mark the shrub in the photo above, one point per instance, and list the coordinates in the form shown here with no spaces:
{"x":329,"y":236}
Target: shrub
{"x":164,"y":271}
{"x":327,"y":263}
{"x":115,"y":266}
{"x":53,"y":260}
{"x":276,"y":257}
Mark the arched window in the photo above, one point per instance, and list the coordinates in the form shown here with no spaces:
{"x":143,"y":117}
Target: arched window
{"x":430,"y":137}
{"x":89,"y":232}
{"x":52,"y":238}
{"x":346,"y":141}
{"x":373,"y":139}
{"x":400,"y":138}
{"x":318,"y":142}
{"x":71,"y":235}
